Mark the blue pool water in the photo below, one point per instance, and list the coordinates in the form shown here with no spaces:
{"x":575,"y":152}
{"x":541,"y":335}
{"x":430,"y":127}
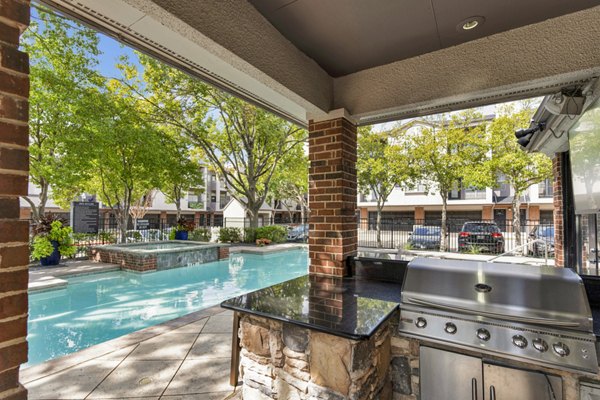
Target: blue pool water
{"x":96,"y":308}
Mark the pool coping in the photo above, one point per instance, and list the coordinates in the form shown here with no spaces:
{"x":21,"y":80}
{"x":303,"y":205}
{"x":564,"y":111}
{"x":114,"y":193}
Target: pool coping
{"x":51,"y":367}
{"x":43,"y":279}
{"x":275,"y":248}
{"x":190,"y":246}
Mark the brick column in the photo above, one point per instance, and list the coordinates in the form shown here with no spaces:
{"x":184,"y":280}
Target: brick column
{"x":14,"y":165}
{"x":332,"y":195}
{"x":559,"y":254}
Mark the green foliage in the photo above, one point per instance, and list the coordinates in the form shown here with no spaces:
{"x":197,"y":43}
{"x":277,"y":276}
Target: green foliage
{"x":42,"y":242}
{"x":107,"y":237}
{"x":230,"y":235}
{"x":274,"y":233}
{"x":448,"y":154}
{"x":250,"y":235}
{"x":290,"y":181}
{"x":134,"y":236}
{"x":172,"y":234}
{"x":185,"y":225}
{"x":243,"y":143}
{"x":200,"y":235}
{"x":63,"y":78}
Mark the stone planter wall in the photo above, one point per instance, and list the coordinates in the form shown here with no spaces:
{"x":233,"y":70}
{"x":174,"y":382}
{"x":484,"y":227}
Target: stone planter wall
{"x":284,"y":361}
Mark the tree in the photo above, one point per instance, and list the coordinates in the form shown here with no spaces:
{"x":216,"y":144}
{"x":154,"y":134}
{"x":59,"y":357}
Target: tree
{"x":126,"y":155}
{"x":290,"y":182}
{"x":181,"y":169}
{"x":448,"y":153}
{"x":139,"y":208}
{"x":383,"y":163}
{"x":510,"y":164}
{"x":243,"y":143}
{"x":63,"y":79}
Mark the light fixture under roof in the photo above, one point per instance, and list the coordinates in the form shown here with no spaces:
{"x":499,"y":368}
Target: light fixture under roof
{"x":470,"y":23}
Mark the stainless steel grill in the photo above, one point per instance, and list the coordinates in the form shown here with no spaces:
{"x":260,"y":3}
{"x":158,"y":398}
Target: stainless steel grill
{"x":535,"y":314}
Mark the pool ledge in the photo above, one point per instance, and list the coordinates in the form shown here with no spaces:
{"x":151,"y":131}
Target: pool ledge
{"x":50,"y":278}
{"x":273,"y":248}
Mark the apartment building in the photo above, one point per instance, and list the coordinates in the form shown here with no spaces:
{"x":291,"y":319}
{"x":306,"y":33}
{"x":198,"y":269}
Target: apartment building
{"x":203,"y":204}
{"x":464,"y":204}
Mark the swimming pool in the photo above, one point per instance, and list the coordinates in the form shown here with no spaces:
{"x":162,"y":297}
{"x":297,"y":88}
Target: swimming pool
{"x":95,"y":308}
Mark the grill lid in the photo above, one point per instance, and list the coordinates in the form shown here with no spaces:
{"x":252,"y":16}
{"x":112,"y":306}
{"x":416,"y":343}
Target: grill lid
{"x":545,"y":296}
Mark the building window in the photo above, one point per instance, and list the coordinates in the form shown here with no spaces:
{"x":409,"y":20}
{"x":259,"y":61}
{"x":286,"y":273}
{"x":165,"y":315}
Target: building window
{"x":195,"y":199}
{"x":545,"y":189}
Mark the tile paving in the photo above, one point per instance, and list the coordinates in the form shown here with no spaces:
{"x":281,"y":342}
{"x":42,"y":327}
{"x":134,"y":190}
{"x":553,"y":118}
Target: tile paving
{"x":184,"y":359}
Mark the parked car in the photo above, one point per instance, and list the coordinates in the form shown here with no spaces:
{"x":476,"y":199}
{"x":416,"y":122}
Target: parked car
{"x":545,"y":233}
{"x":298,"y":233}
{"x":480,"y":236}
{"x":425,"y":237}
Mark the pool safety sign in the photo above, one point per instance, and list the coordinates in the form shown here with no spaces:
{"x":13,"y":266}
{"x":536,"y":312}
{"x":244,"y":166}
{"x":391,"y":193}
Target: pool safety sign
{"x":85,"y":216}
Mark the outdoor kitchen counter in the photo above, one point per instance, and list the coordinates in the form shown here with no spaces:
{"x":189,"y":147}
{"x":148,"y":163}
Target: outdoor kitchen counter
{"x":352,"y":308}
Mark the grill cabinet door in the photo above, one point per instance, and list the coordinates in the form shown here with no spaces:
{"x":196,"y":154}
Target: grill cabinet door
{"x":447,"y":375}
{"x":503,"y":383}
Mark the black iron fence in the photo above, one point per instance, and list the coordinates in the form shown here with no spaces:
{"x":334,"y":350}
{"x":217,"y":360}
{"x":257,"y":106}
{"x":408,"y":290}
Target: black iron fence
{"x":491,"y":236}
{"x":396,"y":233}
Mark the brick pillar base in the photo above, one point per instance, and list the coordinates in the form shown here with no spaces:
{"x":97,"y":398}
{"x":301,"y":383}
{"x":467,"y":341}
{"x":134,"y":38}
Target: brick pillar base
{"x":559,"y":254}
{"x":14,"y":165}
{"x":332,"y":195}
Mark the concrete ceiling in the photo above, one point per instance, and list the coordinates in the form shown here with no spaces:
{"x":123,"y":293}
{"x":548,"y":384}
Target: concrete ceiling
{"x":347,"y":36}
{"x":285,"y":55}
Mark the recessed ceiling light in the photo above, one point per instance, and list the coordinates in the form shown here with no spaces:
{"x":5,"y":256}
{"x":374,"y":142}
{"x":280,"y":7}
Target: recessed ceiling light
{"x":470,"y":23}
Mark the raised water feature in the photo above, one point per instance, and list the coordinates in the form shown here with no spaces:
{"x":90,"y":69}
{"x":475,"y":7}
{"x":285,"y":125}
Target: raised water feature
{"x":144,"y":257}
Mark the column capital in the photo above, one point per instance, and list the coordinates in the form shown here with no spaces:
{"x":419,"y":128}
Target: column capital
{"x":331,"y":115}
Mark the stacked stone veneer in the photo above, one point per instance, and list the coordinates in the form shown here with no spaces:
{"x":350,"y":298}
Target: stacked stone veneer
{"x":14,"y":165}
{"x":284,"y":361}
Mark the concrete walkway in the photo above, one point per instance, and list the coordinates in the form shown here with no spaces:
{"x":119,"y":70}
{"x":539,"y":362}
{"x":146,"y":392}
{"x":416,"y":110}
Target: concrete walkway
{"x":47,"y":278}
{"x":183,"y":359}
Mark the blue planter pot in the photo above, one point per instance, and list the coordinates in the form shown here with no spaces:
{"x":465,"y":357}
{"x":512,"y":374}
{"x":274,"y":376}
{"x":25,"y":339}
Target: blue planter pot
{"x":181,"y":235}
{"x":52,"y":259}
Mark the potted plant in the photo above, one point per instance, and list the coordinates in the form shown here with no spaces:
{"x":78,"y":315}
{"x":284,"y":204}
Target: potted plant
{"x":52,"y":240}
{"x":183,"y":228}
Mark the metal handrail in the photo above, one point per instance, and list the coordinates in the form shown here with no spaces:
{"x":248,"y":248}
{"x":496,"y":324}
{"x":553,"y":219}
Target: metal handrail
{"x":526,"y":244}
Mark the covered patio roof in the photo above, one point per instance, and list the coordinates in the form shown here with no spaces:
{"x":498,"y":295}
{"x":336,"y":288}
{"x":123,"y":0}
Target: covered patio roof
{"x":302,"y":59}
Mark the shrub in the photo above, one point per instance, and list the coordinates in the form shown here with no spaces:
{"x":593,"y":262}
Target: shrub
{"x":185,"y":225}
{"x":230,"y":235}
{"x":275,"y":233}
{"x":200,"y":235}
{"x":249,"y":235}
{"x":51,"y":229}
{"x":107,"y":237}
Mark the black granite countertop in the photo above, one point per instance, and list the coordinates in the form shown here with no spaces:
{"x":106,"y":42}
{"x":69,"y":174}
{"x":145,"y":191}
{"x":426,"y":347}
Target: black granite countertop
{"x":349,"y":307}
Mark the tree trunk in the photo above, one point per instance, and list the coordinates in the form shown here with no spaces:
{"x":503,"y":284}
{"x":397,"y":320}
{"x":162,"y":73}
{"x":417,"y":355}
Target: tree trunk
{"x":378,"y":225}
{"x":444,"y":228}
{"x":516,"y":210}
{"x":122,"y":220}
{"x":41,"y":209}
{"x":253,"y":212}
{"x":178,"y":207}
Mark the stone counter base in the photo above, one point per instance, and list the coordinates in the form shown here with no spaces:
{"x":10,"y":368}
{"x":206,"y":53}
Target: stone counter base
{"x":284,"y":361}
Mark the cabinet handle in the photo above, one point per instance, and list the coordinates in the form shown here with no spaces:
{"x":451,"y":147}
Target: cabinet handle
{"x":492,"y":393}
{"x":473,"y":389}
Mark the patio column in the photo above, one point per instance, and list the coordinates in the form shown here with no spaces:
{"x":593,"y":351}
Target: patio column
{"x":14,"y":165}
{"x":332,"y":194}
{"x":559,"y":253}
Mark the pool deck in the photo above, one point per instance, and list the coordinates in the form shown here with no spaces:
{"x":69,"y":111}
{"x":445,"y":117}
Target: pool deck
{"x":48,"y":278}
{"x":182,"y":359}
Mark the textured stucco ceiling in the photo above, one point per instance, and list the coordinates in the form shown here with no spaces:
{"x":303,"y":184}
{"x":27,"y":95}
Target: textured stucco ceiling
{"x":347,"y":36}
{"x":230,"y":44}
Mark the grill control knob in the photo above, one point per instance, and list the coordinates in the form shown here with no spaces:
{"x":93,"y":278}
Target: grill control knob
{"x":561,"y":349}
{"x":540,"y":345}
{"x":519,"y":341}
{"x":421,"y":322}
{"x":450,"y":328}
{"x":483,"y":334}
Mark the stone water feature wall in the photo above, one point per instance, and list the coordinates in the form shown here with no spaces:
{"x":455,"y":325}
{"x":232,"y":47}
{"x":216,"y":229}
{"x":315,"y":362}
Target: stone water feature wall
{"x":284,"y":361}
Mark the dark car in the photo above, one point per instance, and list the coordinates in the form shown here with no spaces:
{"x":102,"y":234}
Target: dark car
{"x":425,"y":237}
{"x":545,"y":233}
{"x":481,"y":236}
{"x":298,"y":233}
